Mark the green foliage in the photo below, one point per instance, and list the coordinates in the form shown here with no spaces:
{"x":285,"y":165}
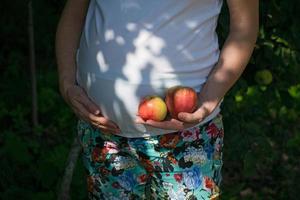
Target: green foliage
{"x":261,"y":146}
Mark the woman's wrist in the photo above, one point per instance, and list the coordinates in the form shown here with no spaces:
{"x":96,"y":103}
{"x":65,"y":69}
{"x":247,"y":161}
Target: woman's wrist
{"x":214,"y":89}
{"x":208,"y":101}
{"x":232,"y":62}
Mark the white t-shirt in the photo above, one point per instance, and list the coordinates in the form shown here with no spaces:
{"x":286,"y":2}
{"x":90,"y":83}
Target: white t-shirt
{"x":133,"y":48}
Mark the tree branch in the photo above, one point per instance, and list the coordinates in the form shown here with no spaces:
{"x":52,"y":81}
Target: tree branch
{"x":32,"y":66}
{"x":64,"y":193}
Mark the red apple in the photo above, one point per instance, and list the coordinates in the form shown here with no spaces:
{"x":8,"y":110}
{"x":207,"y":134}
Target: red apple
{"x":181,"y":99}
{"x":152,"y":107}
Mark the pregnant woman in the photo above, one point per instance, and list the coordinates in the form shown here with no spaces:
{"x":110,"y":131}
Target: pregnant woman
{"x":112,"y":53}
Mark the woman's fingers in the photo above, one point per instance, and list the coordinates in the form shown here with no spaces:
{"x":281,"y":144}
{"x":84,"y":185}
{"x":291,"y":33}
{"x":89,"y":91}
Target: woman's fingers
{"x":199,"y":115}
{"x":98,"y":121}
{"x":191,"y":117}
{"x":94,"y":110}
{"x":169,"y":123}
{"x":139,"y":120}
{"x":106,"y":122}
{"x":85,"y":100}
{"x":105,"y":129}
{"x":87,"y":110}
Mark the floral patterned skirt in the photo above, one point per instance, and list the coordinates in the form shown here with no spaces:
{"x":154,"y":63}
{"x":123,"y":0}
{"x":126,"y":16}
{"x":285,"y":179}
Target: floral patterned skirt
{"x":175,"y":166}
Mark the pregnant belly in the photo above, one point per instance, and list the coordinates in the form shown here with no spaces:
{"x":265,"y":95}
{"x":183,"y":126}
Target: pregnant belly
{"x":119,"y":98}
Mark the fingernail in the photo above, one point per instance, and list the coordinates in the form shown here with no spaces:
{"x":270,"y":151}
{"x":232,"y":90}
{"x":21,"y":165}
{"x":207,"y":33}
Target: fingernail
{"x":97,"y":112}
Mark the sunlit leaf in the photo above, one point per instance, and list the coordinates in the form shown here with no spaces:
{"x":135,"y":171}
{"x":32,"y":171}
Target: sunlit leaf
{"x":294,"y":91}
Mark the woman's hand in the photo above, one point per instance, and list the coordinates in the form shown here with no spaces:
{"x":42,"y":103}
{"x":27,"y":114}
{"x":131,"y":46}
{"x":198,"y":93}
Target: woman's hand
{"x":87,"y":110}
{"x":67,"y":39}
{"x":184,"y":121}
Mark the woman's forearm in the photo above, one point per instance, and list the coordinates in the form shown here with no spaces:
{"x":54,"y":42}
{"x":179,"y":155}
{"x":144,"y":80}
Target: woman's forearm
{"x":235,"y":53}
{"x":232,"y":62}
{"x":67,"y":39}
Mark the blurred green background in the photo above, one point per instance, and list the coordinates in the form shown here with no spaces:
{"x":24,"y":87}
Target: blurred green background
{"x":260,"y":113}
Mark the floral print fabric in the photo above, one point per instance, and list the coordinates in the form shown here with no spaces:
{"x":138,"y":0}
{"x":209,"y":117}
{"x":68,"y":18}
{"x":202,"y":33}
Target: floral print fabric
{"x":175,"y":166}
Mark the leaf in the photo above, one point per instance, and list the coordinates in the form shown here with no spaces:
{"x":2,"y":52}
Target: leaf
{"x":294,"y":91}
{"x":238,"y":98}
